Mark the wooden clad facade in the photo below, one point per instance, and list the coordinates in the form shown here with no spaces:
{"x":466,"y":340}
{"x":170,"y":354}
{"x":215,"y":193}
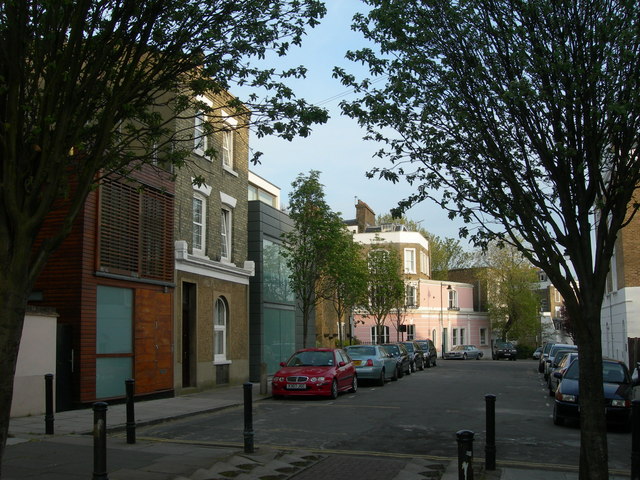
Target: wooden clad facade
{"x":122,"y":244}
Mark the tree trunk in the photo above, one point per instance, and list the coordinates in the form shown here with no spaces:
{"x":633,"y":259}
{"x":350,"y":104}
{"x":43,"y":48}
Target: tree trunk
{"x":13,"y":300}
{"x":594,"y":456}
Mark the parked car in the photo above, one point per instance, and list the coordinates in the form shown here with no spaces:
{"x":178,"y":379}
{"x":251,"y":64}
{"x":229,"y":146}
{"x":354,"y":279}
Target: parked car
{"x":430,"y":352}
{"x":564,"y":359}
{"x":552,"y":355}
{"x":618,"y":388}
{"x":315,"y":371}
{"x":463,"y":352}
{"x":416,"y":355}
{"x":545,"y":353}
{"x":504,"y":350}
{"x":537,"y":353}
{"x":373,"y":362}
{"x":400,"y":353}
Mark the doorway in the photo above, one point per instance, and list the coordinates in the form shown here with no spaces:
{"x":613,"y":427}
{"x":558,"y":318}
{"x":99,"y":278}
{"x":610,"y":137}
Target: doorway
{"x":188,"y":329}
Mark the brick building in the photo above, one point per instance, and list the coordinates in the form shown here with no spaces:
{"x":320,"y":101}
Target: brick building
{"x":212,"y":268}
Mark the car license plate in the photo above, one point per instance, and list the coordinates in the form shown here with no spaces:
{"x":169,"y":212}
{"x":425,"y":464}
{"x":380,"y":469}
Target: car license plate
{"x":357,"y":363}
{"x":296,"y":386}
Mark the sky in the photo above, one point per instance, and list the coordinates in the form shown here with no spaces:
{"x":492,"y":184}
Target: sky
{"x":336,"y":149}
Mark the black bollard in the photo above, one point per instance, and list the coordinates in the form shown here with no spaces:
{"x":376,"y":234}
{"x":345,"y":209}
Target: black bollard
{"x":100,"y":441}
{"x":635,"y":440}
{"x":465,"y":454}
{"x":248,"y":419}
{"x":131,"y":419}
{"x":48,"y":404}
{"x":490,"y":444}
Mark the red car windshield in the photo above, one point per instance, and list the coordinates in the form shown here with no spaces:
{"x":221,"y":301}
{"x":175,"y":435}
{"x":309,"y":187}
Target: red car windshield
{"x":311,"y":359}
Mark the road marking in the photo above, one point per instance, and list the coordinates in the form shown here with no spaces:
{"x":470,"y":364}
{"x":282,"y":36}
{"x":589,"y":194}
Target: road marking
{"x":500,"y":463}
{"x":331,"y":404}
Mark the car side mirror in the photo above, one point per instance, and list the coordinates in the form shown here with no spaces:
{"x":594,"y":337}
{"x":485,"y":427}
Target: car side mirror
{"x":558,"y":375}
{"x":283,"y":364}
{"x":341,"y":364}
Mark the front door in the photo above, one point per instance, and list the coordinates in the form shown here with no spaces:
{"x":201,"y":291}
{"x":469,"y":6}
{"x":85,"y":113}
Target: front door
{"x":445,"y":339}
{"x":64,"y":367}
{"x":188,"y":323}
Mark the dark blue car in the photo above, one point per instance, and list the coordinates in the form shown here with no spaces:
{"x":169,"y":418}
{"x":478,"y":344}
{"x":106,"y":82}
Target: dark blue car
{"x":617,"y":392}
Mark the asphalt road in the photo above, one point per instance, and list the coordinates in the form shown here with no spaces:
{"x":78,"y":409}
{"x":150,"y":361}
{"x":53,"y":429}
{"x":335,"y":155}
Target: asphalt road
{"x":419,"y":414}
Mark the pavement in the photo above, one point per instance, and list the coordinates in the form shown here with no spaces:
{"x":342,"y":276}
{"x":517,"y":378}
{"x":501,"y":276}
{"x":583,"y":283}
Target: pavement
{"x":68,"y":453}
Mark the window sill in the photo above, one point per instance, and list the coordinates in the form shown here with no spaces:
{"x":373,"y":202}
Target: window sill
{"x":222,"y":362}
{"x":202,"y":154}
{"x":230,"y":170}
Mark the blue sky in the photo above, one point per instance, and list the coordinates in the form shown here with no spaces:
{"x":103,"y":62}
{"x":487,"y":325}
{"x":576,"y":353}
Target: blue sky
{"x":336,"y":149}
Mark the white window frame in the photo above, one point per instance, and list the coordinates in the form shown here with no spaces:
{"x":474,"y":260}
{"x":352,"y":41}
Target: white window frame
{"x":227,"y":148}
{"x":424,"y":264}
{"x":409,"y":260}
{"x":411,"y":300}
{"x":483,"y":335}
{"x":411,"y":331}
{"x":226,"y":225}
{"x":374,"y":334}
{"x":200,"y":140}
{"x":200,"y":225}
{"x":453,"y":299}
{"x":457,"y":336}
{"x":220,"y":323}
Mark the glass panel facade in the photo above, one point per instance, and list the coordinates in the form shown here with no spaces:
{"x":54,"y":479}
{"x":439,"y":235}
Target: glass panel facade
{"x":114,"y":320}
{"x":114,"y":335}
{"x":111,"y":374}
{"x":279,"y":337}
{"x":275,"y":275}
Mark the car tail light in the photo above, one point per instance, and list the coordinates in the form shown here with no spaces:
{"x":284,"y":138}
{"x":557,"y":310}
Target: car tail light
{"x":369,"y":363}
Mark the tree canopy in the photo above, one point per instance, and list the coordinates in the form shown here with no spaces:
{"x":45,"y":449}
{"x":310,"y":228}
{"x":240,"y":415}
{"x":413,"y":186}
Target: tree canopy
{"x":522,"y":118}
{"x":95,"y":88}
{"x":310,"y":247}
{"x":513,"y":303}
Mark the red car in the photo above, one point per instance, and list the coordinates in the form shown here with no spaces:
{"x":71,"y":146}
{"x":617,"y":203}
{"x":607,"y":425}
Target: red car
{"x":315,"y":371}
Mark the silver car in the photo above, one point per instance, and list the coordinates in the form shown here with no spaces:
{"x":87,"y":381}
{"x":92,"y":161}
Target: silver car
{"x":373,"y":362}
{"x":463,"y":352}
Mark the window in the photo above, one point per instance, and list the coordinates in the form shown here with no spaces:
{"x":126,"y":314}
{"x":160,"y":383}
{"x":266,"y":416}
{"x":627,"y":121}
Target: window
{"x":227,"y":148}
{"x":225,"y":234}
{"x":411,"y":332}
{"x":558,"y":297}
{"x":483,"y":336}
{"x":199,"y":224}
{"x":220,"y":331}
{"x":453,"y":300}
{"x":135,"y":232}
{"x":411,"y":296}
{"x":200,"y":144}
{"x":409,"y":260}
{"x":458,"y":336}
{"x":380,"y":334}
{"x":114,"y":340}
{"x":424,"y":263}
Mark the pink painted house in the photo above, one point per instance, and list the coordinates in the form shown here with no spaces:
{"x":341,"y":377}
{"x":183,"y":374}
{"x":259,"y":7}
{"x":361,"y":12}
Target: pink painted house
{"x":440,"y":310}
